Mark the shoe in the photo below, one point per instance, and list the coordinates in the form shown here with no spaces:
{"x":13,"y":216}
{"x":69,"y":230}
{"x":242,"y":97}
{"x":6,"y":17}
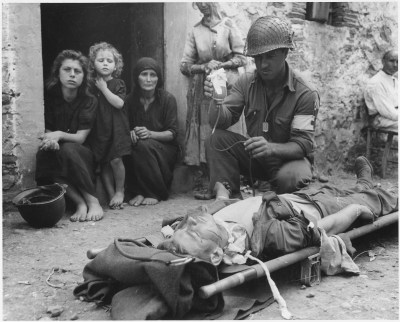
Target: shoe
{"x":264,"y":186}
{"x":363,"y":169}
{"x":364,"y":173}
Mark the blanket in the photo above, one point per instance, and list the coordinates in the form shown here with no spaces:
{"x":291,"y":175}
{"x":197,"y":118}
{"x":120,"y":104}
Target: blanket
{"x":169,"y":291}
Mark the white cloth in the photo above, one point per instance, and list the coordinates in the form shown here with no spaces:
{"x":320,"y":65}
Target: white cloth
{"x":381,"y":97}
{"x":237,"y":219}
{"x":334,"y":257}
{"x":241,"y":212}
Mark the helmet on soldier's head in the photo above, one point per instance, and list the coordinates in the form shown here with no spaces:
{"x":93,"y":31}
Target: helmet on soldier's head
{"x":268,"y":33}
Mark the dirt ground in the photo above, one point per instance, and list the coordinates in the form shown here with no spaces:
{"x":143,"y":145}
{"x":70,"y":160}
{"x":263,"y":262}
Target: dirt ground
{"x":41,"y":267}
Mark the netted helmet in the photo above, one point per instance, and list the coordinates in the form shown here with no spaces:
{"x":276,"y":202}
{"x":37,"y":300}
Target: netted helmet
{"x":268,"y":33}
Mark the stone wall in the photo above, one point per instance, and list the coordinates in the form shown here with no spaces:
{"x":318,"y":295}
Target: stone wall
{"x":22,"y":95}
{"x":338,"y":58}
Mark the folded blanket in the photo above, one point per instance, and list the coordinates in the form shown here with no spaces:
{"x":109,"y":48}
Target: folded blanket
{"x":169,"y":291}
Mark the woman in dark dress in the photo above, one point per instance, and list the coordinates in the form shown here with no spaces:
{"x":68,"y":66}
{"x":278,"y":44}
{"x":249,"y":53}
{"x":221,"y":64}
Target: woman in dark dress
{"x":69,"y":115}
{"x":152,"y":114}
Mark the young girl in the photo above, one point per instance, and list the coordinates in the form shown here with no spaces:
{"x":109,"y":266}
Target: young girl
{"x":110,"y":139}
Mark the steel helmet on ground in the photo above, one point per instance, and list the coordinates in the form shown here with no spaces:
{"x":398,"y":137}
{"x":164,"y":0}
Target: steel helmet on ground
{"x":268,"y":33}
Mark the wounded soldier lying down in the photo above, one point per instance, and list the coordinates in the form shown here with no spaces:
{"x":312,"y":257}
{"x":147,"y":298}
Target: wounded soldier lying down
{"x":278,"y":224}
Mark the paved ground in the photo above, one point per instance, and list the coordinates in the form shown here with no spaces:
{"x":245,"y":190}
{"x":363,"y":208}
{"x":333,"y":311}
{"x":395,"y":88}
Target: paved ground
{"x":58,"y":255}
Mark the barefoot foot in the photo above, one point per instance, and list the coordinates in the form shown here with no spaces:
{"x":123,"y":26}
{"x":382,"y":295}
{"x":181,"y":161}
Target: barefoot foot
{"x":95,"y":212}
{"x":136,"y":201}
{"x":80,"y":212}
{"x":117,"y":200}
{"x":150,"y":201}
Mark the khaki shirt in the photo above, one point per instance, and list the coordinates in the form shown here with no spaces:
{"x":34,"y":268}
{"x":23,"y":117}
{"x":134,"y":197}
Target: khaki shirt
{"x":291,"y":117}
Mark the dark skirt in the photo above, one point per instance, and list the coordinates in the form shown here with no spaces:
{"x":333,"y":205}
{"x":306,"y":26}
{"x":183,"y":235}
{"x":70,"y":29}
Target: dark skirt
{"x":73,"y":163}
{"x":149,"y":169}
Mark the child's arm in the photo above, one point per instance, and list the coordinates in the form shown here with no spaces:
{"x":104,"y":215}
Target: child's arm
{"x":113,"y":99}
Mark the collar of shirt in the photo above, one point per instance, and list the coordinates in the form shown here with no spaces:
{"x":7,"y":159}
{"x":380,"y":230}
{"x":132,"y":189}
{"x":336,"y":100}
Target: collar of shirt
{"x":202,"y":23}
{"x":387,"y":76}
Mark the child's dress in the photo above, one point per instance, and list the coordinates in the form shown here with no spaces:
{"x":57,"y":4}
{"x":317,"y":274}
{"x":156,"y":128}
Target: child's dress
{"x":110,"y":137}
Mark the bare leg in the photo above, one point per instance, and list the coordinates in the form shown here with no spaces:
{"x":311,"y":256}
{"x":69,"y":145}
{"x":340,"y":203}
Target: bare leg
{"x":119,"y":176}
{"x":73,"y":194}
{"x":136,"y":201}
{"x":340,"y":221}
{"x":108,"y":180}
{"x":150,"y":201}
{"x":95,"y":211}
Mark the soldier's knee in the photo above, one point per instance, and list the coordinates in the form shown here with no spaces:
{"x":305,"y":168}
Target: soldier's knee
{"x":293,"y":176}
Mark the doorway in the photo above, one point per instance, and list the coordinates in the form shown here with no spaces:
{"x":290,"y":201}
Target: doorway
{"x":135,"y":29}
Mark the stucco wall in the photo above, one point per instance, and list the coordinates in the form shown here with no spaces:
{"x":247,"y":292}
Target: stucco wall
{"x":22,"y":95}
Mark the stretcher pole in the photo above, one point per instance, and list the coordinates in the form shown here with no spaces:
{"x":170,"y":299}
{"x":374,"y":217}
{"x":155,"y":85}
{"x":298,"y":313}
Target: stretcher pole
{"x":273,"y":265}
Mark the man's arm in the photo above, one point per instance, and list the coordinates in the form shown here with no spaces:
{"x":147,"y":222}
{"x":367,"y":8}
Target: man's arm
{"x":340,"y":221}
{"x":221,"y":114}
{"x":259,"y":147}
{"x":301,"y":141}
{"x":377,"y":98}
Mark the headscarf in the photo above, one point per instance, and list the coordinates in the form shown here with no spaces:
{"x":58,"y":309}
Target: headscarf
{"x":147,"y":63}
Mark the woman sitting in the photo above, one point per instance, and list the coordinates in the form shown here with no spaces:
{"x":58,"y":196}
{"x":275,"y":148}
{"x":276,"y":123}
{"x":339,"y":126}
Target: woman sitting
{"x":69,"y":115}
{"x":152,"y":114}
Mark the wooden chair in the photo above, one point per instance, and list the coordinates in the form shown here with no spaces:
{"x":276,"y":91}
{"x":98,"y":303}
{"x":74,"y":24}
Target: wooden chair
{"x":388,"y":143}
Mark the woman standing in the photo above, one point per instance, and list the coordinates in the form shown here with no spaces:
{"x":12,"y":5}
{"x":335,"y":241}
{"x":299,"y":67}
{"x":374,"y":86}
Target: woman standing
{"x":69,"y":115}
{"x":213,"y":43}
{"x":153,"y":123}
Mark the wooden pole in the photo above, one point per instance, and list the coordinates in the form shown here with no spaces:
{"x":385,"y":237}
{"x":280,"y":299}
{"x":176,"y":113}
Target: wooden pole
{"x":256,"y":271}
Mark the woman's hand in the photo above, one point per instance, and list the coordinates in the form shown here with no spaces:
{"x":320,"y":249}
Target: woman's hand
{"x":49,"y":145}
{"x":101,"y":84}
{"x":213,"y":64}
{"x":134,"y":137}
{"x":142,"y":132}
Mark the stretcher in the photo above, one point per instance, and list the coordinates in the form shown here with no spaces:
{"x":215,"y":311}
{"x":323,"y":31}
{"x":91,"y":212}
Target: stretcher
{"x":256,"y":271}
{"x":241,"y":274}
